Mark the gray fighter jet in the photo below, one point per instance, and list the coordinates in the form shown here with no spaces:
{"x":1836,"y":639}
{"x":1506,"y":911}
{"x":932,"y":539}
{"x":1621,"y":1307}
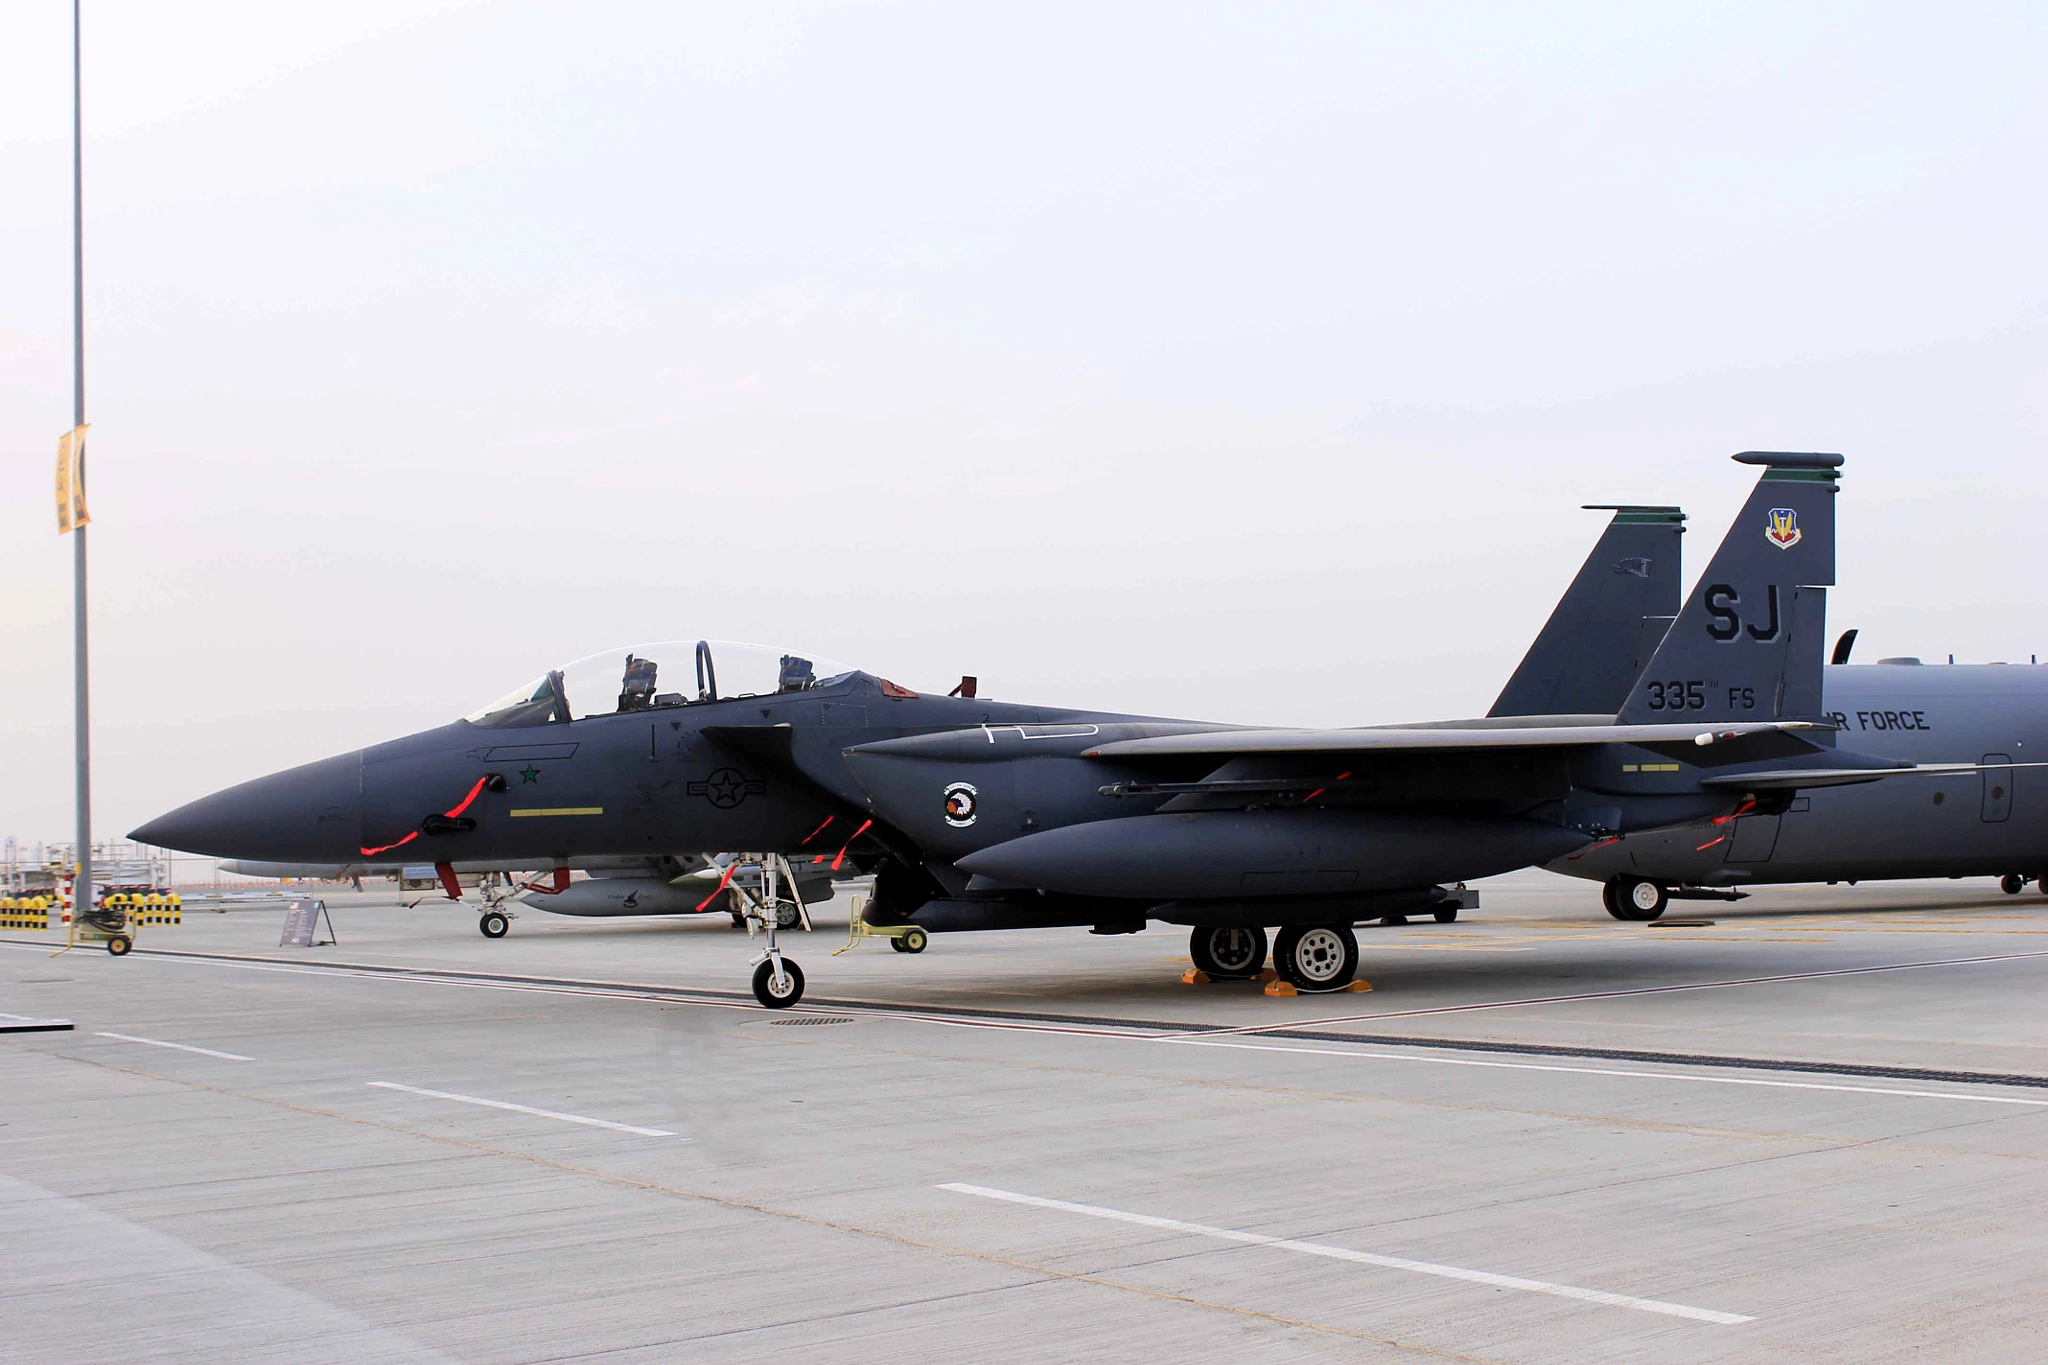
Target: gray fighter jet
{"x":975,"y":814}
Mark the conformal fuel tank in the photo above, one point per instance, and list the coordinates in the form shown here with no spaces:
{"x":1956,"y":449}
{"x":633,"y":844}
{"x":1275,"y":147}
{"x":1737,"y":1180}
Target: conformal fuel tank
{"x":1244,"y":854}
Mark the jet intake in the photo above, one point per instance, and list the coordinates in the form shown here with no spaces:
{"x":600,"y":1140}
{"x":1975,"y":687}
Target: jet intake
{"x":1264,"y":855}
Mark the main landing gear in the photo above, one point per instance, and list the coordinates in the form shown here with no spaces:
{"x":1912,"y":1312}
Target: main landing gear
{"x":1634,"y":898}
{"x":1316,"y":957}
{"x":1312,"y":958}
{"x":1228,"y":954}
{"x":2012,"y":883}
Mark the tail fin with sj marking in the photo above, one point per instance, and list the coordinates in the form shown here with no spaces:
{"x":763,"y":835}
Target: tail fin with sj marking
{"x":1607,"y":624}
{"x":1749,"y":644}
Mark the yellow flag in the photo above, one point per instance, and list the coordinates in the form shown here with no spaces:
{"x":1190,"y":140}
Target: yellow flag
{"x":71,"y":513}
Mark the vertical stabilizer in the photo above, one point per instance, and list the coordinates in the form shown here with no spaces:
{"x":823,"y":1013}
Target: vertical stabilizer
{"x":1749,"y":644}
{"x":1608,"y":622}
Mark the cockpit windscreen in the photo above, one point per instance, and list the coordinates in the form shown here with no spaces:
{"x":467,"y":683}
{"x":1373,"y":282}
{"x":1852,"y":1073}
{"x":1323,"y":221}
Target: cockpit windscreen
{"x":650,"y":677}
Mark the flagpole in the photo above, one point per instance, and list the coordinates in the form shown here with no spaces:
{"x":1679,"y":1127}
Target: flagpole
{"x":81,"y":716}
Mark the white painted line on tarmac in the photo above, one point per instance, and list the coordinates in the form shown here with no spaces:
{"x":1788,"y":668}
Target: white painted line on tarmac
{"x":1203,"y":1038}
{"x":182,"y":1047}
{"x":1615,"y":995}
{"x":524,"y":1109}
{"x":1449,"y":1272}
{"x":1611,"y":1071}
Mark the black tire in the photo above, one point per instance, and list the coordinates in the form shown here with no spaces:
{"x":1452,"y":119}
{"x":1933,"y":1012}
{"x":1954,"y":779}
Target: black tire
{"x":119,"y":945}
{"x":739,"y":921}
{"x":914,"y":941}
{"x":1228,"y":954}
{"x":2012,"y":883}
{"x":897,"y":944}
{"x":1638,"y":900}
{"x":1607,"y":899}
{"x":1316,"y":957}
{"x":793,"y":985}
{"x":493,"y":925}
{"x":1447,"y":916}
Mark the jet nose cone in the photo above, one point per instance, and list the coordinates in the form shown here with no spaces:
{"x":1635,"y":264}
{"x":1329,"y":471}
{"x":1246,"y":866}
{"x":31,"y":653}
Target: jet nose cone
{"x":312,"y":813}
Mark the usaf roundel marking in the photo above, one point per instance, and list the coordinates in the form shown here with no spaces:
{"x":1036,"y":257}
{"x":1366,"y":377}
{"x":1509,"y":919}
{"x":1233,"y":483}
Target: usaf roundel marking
{"x":727,"y":787}
{"x":962,"y":802}
{"x":1782,"y":529}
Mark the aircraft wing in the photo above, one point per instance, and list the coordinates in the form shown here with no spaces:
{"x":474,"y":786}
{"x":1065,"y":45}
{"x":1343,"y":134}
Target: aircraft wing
{"x":1750,"y":737}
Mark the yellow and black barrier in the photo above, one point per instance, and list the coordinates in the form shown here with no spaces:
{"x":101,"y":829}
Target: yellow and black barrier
{"x":150,"y":909}
{"x":156,"y":909}
{"x":24,"y":912}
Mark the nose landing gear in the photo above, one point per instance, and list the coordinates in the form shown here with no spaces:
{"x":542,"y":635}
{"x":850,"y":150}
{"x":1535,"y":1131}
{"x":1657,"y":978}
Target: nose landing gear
{"x":778,"y":981}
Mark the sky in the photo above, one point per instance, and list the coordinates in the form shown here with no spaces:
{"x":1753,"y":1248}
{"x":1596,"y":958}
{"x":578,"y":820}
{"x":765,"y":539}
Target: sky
{"x":1245,"y":363}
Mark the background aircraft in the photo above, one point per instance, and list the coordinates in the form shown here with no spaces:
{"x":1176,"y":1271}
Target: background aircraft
{"x":1991,"y":821}
{"x":610,"y":887}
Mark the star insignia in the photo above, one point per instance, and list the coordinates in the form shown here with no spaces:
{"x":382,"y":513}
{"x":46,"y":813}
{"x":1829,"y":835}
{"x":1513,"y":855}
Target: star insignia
{"x":529,"y":774}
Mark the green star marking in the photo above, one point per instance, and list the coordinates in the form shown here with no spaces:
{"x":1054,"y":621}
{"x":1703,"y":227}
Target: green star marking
{"x":529,"y":774}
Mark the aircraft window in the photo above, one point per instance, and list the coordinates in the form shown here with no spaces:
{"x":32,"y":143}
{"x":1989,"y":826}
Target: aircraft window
{"x":537,"y":703}
{"x":693,"y":672}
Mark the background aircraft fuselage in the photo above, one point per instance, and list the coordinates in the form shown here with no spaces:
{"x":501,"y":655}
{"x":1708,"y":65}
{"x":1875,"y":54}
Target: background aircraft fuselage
{"x":1977,"y":824}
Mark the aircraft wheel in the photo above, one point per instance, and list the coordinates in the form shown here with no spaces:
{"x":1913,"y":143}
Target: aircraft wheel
{"x":1448,"y":916}
{"x":119,"y":945}
{"x":493,"y":925}
{"x":1635,"y":899}
{"x":1316,"y":957}
{"x":788,"y":914}
{"x":778,"y":995}
{"x":2012,"y":883}
{"x":1228,"y":954}
{"x":739,"y":921}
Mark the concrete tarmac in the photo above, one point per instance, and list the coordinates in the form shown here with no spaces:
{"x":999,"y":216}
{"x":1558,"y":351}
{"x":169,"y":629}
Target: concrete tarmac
{"x":1812,"y":1130}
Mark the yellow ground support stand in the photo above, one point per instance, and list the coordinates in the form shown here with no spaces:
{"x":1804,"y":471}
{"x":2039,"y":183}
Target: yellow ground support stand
{"x":24,"y":912}
{"x":136,"y":911}
{"x":904,"y":938}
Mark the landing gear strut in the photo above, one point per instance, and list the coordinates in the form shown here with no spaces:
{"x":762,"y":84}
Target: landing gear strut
{"x":778,"y":982}
{"x":495,"y":921}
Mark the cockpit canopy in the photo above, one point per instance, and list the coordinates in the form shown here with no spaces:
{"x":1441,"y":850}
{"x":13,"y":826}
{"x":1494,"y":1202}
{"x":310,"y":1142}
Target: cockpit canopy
{"x":649,"y":677}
